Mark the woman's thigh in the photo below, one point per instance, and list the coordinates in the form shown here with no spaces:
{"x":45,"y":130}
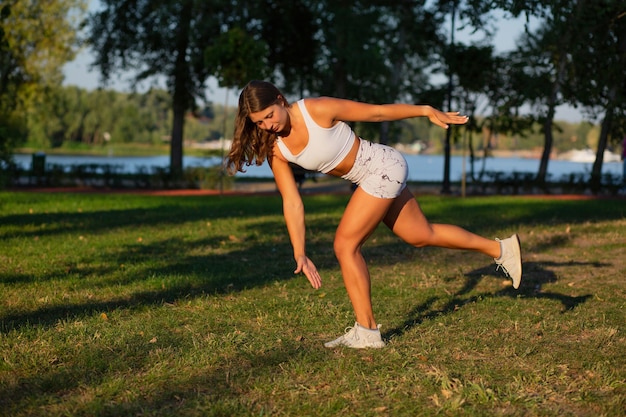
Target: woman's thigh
{"x":406,"y":219}
{"x":363,"y":214}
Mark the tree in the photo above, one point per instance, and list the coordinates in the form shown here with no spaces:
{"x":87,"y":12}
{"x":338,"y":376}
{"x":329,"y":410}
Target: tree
{"x":475,"y":14}
{"x":41,"y":37}
{"x":162,"y":38}
{"x":411,"y":34}
{"x":288,"y":29}
{"x":37,"y":38}
{"x":11,"y":125}
{"x":474,"y":68}
{"x":599,"y":75}
{"x":544,"y":60}
{"x":237,"y":58}
{"x":582,"y":45}
{"x":577,"y":56}
{"x":373,"y":51}
{"x":368,"y":50}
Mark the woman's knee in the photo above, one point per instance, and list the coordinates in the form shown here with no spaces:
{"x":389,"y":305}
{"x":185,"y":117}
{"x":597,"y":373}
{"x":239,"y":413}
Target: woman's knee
{"x":418,"y":241}
{"x":343,"y":246}
{"x":339,"y":245}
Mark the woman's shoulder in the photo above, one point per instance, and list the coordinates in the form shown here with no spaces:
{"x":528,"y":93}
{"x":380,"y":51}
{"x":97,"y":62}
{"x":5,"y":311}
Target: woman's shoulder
{"x":322,"y":109}
{"x":318,"y":101}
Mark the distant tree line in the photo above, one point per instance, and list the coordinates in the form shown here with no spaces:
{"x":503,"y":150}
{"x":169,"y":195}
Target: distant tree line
{"x":36,"y":39}
{"x":71,"y":116}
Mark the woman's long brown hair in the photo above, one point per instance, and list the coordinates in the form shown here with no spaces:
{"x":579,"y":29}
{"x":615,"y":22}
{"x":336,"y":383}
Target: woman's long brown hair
{"x":252,"y":145}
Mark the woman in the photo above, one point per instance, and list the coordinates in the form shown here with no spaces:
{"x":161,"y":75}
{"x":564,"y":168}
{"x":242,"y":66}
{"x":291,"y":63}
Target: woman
{"x":313,"y":134}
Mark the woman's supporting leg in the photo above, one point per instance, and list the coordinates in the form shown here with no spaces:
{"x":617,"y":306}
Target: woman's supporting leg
{"x":406,"y":219}
{"x":361,"y":217}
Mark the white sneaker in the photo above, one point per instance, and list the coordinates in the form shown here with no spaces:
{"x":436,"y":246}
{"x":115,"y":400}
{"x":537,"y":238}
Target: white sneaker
{"x":510,"y":259}
{"x":358,"y":337}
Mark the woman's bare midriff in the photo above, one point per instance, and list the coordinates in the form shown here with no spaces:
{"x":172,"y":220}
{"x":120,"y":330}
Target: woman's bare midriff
{"x":346,"y":164}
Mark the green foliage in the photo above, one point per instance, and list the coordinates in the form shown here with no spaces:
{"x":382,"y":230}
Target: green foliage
{"x":119,"y":304}
{"x":36,"y":39}
{"x":168,"y":39}
{"x":576,"y":56}
{"x":373,"y":51}
{"x":340,"y":49}
{"x":368,"y":50}
{"x":290,"y":30}
{"x":237,"y":58}
{"x":71,"y":115}
{"x":41,"y":37}
{"x":75,"y":119}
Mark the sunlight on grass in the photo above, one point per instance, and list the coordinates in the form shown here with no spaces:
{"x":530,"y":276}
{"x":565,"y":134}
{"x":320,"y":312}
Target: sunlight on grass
{"x":124,"y":305}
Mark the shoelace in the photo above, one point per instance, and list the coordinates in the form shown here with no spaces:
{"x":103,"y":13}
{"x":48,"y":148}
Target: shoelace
{"x":354,"y":334}
{"x":503,"y":268}
{"x":500,"y":266}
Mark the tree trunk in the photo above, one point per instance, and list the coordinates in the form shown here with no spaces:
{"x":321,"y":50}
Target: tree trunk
{"x":596,"y":170}
{"x":181,"y":94}
{"x":176,"y":143}
{"x":445,"y":185}
{"x":547,"y":125}
{"x":564,"y":44}
{"x":384,"y":133}
{"x":547,"y":145}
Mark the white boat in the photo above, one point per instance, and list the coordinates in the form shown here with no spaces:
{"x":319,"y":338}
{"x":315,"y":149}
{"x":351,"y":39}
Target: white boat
{"x":589,"y":156}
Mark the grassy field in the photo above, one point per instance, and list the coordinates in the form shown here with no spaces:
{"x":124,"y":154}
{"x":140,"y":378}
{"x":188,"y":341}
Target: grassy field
{"x":120,"y":305}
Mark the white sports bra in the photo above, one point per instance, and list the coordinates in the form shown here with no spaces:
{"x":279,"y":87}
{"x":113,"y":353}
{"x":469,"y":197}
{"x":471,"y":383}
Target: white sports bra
{"x":326,"y":148}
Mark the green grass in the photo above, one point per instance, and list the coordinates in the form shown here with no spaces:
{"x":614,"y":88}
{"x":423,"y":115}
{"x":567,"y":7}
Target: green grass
{"x":118,"y":305}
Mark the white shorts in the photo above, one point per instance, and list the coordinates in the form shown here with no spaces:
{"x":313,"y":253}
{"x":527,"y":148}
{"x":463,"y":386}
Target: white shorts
{"x":380,"y":170}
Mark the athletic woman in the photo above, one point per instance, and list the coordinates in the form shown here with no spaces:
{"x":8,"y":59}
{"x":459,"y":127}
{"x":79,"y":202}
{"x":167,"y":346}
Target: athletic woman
{"x":313,"y":134}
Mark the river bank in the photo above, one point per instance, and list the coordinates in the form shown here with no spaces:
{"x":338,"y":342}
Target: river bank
{"x":422,"y":168}
{"x":335,"y":186}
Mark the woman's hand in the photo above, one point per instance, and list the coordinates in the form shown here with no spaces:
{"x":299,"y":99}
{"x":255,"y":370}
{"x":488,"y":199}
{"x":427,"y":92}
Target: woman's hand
{"x":306,"y":266}
{"x":445,"y":119}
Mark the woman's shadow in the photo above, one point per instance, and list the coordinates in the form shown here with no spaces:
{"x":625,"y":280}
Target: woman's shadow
{"x":536,"y":274}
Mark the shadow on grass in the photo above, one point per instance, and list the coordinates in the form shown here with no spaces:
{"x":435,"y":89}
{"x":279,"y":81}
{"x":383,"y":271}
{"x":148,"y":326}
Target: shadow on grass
{"x":219,"y":273}
{"x":480,"y":215}
{"x":211,"y":387}
{"x":106,"y":220}
{"x":149,"y":211}
{"x":232,"y":270}
{"x":169,"y":269}
{"x":536,"y":274}
{"x":182,"y":277}
{"x":223,"y":265}
{"x":483,"y":214}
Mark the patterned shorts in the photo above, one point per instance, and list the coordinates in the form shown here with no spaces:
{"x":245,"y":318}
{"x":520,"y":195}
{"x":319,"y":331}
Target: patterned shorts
{"x":380,"y":170}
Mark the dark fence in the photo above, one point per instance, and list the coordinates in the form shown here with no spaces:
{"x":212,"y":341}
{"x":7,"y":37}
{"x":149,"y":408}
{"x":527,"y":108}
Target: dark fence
{"x":117,"y":177}
{"x":111,"y":176}
{"x":514,"y":183}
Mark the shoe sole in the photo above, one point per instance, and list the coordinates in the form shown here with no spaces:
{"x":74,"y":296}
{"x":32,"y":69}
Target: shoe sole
{"x":371,"y":346}
{"x":519,"y":256}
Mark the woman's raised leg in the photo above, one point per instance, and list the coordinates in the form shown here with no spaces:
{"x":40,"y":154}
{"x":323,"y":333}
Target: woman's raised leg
{"x":406,"y":219}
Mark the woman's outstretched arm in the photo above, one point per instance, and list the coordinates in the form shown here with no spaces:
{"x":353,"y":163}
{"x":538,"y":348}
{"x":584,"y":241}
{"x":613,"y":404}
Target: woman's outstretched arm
{"x":328,"y":110}
{"x":293,"y":211}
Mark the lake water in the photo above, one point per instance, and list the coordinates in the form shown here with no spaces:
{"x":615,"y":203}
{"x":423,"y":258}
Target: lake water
{"x":421,"y":167}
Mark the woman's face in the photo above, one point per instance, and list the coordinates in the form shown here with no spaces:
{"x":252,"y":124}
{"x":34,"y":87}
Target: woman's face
{"x":274,"y":119}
